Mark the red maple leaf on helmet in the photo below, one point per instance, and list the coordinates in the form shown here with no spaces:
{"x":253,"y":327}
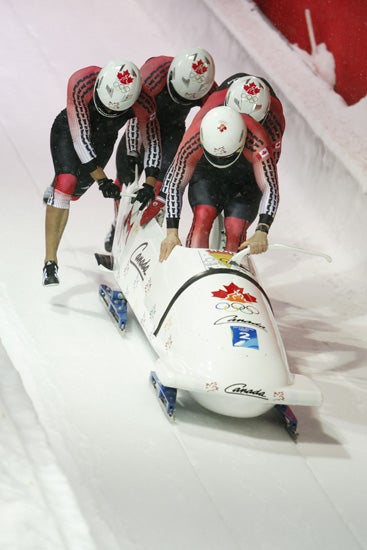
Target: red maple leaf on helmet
{"x":199,"y":67}
{"x":222,"y":127}
{"x":251,"y":88}
{"x":233,"y":293}
{"x":125,"y":77}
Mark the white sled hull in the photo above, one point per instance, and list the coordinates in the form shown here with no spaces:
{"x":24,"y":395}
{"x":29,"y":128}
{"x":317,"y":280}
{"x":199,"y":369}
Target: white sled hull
{"x":211,"y":324}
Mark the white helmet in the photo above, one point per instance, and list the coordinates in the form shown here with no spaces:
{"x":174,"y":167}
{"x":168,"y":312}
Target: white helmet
{"x":190,"y":76}
{"x":249,"y":95}
{"x":223,"y":135}
{"x":117,"y":88}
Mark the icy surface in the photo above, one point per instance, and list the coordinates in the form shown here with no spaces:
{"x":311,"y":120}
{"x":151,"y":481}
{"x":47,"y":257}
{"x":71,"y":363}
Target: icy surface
{"x":87,"y":458}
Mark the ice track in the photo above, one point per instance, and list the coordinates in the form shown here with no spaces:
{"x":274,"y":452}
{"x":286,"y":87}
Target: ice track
{"x":89,"y":459}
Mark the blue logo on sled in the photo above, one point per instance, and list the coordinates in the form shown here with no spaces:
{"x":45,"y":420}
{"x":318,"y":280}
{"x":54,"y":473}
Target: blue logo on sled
{"x":244,"y":337}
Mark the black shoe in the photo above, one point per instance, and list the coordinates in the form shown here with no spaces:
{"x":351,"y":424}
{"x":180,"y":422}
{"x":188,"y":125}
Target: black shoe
{"x":109,"y":239}
{"x":105,"y":260}
{"x":50,"y":274}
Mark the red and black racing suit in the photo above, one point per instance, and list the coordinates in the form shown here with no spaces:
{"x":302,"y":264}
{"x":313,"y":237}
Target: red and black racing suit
{"x":242,"y":190}
{"x":82,"y":139}
{"x":171,"y":117}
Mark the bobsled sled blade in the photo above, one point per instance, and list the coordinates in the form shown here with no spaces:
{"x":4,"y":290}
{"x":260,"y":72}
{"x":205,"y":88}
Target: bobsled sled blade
{"x":116,"y":304}
{"x":104,"y":261}
{"x":289,"y":419}
{"x":166,"y":396}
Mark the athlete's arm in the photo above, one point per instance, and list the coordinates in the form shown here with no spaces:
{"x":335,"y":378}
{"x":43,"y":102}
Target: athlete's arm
{"x":79,"y":94}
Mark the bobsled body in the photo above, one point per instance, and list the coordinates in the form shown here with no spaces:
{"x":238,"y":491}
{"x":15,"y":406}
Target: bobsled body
{"x":210,"y":323}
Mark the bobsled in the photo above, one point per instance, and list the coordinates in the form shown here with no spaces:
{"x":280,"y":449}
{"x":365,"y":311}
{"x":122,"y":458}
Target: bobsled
{"x":210,"y":322}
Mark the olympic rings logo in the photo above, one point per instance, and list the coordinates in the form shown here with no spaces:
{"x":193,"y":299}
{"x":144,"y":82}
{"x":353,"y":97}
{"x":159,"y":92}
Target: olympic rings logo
{"x":200,"y":78}
{"x":125,"y":88}
{"x":237,"y":306}
{"x":249,"y":98}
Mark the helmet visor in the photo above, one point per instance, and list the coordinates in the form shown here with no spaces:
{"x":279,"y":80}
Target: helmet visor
{"x":223,"y":162}
{"x":103,"y":110}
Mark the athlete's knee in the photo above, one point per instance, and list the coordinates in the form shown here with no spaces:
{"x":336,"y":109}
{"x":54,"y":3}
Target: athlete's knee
{"x":59,"y":199}
{"x":63,"y":189}
{"x":65,"y":183}
{"x":204,"y":214}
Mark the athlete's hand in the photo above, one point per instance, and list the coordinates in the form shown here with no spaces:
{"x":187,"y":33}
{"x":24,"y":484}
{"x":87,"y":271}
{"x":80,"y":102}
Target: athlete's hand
{"x":258,"y":243}
{"x":109,"y":189}
{"x":169,"y":243}
{"x":145,"y":195}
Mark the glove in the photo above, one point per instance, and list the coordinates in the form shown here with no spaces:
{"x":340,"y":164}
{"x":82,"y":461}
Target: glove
{"x":131,"y":162}
{"x":109,"y":189}
{"x":145,"y":195}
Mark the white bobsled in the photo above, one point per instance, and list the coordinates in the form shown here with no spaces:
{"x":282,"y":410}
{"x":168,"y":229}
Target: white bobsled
{"x":210,"y":322}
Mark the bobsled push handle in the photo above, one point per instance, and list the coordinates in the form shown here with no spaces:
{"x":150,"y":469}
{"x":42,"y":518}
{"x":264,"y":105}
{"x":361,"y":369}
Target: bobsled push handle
{"x":237,"y":258}
{"x":302,"y":250}
{"x":133,"y":187}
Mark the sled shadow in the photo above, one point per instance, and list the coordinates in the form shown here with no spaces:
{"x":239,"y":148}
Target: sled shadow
{"x":267,"y":431}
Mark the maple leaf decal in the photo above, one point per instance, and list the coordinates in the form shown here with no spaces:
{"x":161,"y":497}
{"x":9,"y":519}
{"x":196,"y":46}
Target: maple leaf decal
{"x":125,"y":77}
{"x":251,"y":88}
{"x":233,"y":293}
{"x":222,"y":127}
{"x":199,"y":67}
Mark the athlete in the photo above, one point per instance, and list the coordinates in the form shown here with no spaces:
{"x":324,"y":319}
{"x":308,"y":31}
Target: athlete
{"x":224,"y":174}
{"x":178,"y":84}
{"x":99,"y":103}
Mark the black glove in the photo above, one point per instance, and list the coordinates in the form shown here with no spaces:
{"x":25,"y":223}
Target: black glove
{"x":145,"y":195}
{"x":109,"y":189}
{"x":131,"y":162}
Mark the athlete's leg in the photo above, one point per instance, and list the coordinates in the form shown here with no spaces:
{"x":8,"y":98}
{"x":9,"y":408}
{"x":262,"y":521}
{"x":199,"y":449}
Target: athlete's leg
{"x":236,"y":230}
{"x":57,"y":214}
{"x":203,"y":199}
{"x":56,"y":220}
{"x":241,"y":206}
{"x":108,"y":242}
{"x":204,"y":216}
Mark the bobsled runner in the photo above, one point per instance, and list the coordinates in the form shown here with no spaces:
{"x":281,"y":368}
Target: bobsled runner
{"x":209,"y":321}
